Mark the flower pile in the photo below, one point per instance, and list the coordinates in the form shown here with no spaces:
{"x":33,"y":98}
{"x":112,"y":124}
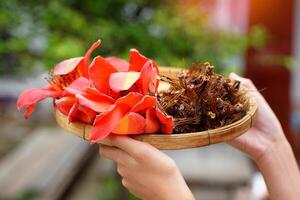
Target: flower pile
{"x":115,"y":96}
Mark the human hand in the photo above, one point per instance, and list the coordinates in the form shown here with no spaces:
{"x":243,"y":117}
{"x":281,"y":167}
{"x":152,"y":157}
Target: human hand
{"x":266,"y":131}
{"x":146,"y":172}
{"x":265,"y":142}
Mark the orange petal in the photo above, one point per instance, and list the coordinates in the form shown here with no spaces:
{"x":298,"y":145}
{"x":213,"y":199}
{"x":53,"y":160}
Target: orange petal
{"x":146,"y":102}
{"x":136,"y":60}
{"x":30,"y":109}
{"x":131,"y":99}
{"x":30,"y":97}
{"x":152,"y":123}
{"x":132,"y":123}
{"x":85,"y":115}
{"x":166,"y":121}
{"x":120,"y":64}
{"x":67,"y":66}
{"x":148,"y":78}
{"x":78,"y":86}
{"x":120,"y":81}
{"x":106,"y":122}
{"x":86,"y":61}
{"x":81,"y":63}
{"x":156,"y":84}
{"x":155,"y":66}
{"x":95,"y":100}
{"x":99,"y":72}
{"x":65,"y":104}
{"x":73,"y":112}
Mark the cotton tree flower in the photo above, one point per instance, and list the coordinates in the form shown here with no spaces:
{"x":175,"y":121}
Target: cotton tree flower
{"x":115,"y":96}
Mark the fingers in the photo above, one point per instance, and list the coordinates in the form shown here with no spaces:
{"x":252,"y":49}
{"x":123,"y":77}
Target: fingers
{"x":122,"y":171}
{"x":249,"y":84}
{"x":115,"y":154}
{"x":245,"y":81}
{"x":134,"y":148}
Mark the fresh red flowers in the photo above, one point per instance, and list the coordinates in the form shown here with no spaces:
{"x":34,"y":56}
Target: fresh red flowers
{"x":116,"y":96}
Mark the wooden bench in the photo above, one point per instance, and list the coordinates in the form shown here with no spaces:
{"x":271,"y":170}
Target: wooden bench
{"x":45,"y":163}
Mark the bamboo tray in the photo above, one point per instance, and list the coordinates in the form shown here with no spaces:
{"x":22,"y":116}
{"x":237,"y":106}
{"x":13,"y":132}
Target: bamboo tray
{"x":174,"y":141}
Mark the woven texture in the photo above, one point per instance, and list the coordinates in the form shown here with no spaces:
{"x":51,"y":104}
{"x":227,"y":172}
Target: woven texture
{"x":175,"y":141}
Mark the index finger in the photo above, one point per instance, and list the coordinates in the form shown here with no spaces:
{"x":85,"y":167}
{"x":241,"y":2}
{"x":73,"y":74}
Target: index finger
{"x":133,"y":147}
{"x":248,"y":84}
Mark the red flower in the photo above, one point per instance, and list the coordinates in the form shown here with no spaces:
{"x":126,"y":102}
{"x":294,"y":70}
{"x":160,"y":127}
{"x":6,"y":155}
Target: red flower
{"x":131,"y":114}
{"x":114,"y":95}
{"x":67,"y":79}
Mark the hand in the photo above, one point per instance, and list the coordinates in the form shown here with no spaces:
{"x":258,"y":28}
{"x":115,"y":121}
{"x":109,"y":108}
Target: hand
{"x":266,"y":144}
{"x":266,"y":131}
{"x":146,"y":172}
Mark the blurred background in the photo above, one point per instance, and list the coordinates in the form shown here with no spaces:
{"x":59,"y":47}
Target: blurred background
{"x":39,"y":160}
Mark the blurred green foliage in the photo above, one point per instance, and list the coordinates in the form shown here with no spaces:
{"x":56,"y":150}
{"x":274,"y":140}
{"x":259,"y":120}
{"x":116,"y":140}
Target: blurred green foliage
{"x":29,"y":195}
{"x":35,"y":33}
{"x":111,"y":189}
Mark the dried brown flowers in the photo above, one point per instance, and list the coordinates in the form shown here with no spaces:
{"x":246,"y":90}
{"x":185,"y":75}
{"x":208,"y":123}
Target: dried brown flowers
{"x":199,"y":99}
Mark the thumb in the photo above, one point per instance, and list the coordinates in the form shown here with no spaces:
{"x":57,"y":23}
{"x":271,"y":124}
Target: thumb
{"x":245,"y":81}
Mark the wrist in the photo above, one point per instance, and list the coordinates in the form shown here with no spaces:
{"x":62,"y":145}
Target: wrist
{"x":177,"y":189}
{"x":280,"y":171}
{"x":273,"y":152}
{"x":261,"y":147}
{"x":183,"y":194}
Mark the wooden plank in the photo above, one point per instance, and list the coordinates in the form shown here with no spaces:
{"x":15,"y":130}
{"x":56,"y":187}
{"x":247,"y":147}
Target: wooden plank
{"x":45,"y":163}
{"x":218,"y":166}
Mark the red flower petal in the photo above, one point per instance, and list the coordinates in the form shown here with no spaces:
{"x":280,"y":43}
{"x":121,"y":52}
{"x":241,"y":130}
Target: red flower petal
{"x":84,"y":65}
{"x":136,"y":60}
{"x":78,"y":86}
{"x":65,"y":104}
{"x":100,"y":71}
{"x":119,"y":81}
{"x":95,"y":100}
{"x":152,"y":123}
{"x":167,"y":121}
{"x":105,"y":122}
{"x":86,"y":115}
{"x":148,"y":78}
{"x":157,"y":72}
{"x":146,"y":102}
{"x":131,"y":99}
{"x":67,"y":66}
{"x":120,"y":64}
{"x":29,"y":97}
{"x":73,"y":111}
{"x":30,"y":109}
{"x":133,"y":123}
{"x":155,"y":66}
{"x":156,"y":83}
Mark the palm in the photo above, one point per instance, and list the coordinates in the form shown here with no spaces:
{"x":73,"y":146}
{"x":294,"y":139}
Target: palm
{"x":263,"y":133}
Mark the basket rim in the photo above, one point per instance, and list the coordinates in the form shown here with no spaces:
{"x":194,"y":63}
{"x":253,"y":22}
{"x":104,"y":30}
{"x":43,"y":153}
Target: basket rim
{"x":175,"y":141}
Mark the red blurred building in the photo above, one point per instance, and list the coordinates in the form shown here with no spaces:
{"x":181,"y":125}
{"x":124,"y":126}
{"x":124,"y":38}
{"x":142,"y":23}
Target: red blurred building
{"x":282,"y":21}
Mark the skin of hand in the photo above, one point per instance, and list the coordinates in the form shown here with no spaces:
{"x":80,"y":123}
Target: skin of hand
{"x":266,"y":130}
{"x":150,"y":174}
{"x":146,"y":172}
{"x":267,"y":145}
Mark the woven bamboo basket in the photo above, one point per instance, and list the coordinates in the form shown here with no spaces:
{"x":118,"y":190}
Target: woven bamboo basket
{"x":175,"y":141}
